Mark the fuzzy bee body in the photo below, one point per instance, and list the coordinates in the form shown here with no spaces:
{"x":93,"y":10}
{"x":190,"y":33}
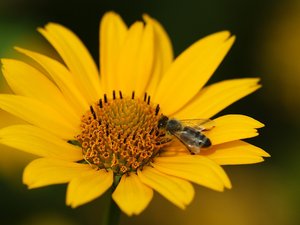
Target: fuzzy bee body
{"x":189,"y":132}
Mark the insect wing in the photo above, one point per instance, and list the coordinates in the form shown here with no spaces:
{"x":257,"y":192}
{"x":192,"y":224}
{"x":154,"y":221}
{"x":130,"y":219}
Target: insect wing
{"x":198,"y":124}
{"x":188,"y":140}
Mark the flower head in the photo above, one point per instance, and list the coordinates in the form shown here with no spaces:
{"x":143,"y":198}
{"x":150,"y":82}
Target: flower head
{"x":123,"y":125}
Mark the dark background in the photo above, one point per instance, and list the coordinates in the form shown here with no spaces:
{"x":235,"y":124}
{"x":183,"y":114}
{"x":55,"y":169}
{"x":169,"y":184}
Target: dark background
{"x":267,"y":46}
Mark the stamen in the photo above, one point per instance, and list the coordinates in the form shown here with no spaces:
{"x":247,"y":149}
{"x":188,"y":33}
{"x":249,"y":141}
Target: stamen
{"x":132,"y":96}
{"x":93,"y":112}
{"x":148,"y":100}
{"x":114,"y":95}
{"x":105,"y":98}
{"x":100,"y":103}
{"x":121,"y":96}
{"x":145,"y":96}
{"x":157,"y":109}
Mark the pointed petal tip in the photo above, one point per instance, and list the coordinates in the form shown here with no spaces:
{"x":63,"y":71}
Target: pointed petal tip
{"x":253,"y":81}
{"x":111,"y":13}
{"x":52,"y":24}
{"x":29,"y":183}
{"x":226,"y":34}
{"x":30,"y":187}
{"x":74,"y":205}
{"x":19,"y":49}
{"x":230,"y":41}
{"x":257,"y":86}
{"x":257,"y":79}
{"x":262,"y":153}
{"x":226,"y":181}
{"x":70,"y":203}
{"x":257,"y":124}
{"x":223,"y":32}
{"x":41,"y":30}
{"x":33,"y":186}
{"x":228,"y":185}
{"x":232,"y":38}
{"x":146,"y":16}
{"x":48,"y":26}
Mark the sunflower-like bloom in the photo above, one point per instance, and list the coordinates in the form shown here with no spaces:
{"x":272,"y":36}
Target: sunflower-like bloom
{"x":95,"y":129}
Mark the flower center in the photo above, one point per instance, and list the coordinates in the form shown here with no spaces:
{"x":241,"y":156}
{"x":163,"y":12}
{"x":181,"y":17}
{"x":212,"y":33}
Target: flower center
{"x":121,"y":134}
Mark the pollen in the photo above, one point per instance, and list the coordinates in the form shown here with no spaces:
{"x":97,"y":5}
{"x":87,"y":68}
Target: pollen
{"x":121,"y":134}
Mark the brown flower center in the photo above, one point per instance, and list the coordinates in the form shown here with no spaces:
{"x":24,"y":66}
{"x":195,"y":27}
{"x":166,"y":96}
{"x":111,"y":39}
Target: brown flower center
{"x":121,"y":134}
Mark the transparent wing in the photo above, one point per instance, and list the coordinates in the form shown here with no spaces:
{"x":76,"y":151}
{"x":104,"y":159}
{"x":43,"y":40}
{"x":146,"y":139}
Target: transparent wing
{"x":198,"y":124}
{"x":188,"y":140}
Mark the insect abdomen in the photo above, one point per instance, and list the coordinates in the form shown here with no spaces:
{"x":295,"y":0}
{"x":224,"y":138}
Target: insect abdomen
{"x":198,"y":139}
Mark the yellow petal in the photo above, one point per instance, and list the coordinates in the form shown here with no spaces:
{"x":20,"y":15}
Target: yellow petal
{"x":178,"y":191}
{"x":112,"y":35}
{"x":136,"y":60}
{"x":76,"y":57}
{"x":44,"y":171}
{"x":175,"y":148}
{"x":194,"y":168}
{"x":163,"y":54}
{"x":38,"y":114}
{"x":233,"y":127}
{"x":39,"y":142}
{"x":236,"y":152}
{"x":191,"y":70}
{"x":88,"y":186}
{"x":28,"y":81}
{"x":237,"y":120}
{"x":216,"y":97}
{"x":131,"y":195}
{"x":63,"y":79}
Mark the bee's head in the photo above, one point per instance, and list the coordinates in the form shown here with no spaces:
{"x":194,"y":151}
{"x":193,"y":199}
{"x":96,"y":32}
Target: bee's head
{"x":162,"y":122}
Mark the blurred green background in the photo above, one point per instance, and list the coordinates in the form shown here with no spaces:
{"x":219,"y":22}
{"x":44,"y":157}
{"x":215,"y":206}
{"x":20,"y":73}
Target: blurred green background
{"x":267,"y":46}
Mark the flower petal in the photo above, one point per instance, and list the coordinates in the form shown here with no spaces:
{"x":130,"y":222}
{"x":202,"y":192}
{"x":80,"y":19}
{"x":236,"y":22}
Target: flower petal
{"x":135,"y":60}
{"x":131,"y":195}
{"x":88,"y":186}
{"x":232,"y":127}
{"x":112,"y":35}
{"x":178,"y":191}
{"x":44,"y":171}
{"x":216,"y":97}
{"x":76,"y":57}
{"x":235,"y":152}
{"x":63,"y":79}
{"x":163,"y":54}
{"x":193,"y":68}
{"x":39,"y":114}
{"x":194,"y":168}
{"x":39,"y":142}
{"x":27,"y":81}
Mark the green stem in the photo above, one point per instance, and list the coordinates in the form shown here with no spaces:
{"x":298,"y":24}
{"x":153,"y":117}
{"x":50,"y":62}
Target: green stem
{"x":112,"y":213}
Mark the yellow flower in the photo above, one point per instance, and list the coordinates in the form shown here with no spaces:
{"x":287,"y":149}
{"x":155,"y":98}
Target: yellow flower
{"x":92,"y":131}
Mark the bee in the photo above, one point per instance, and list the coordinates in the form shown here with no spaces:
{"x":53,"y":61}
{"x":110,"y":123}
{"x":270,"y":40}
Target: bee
{"x":189,"y":132}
